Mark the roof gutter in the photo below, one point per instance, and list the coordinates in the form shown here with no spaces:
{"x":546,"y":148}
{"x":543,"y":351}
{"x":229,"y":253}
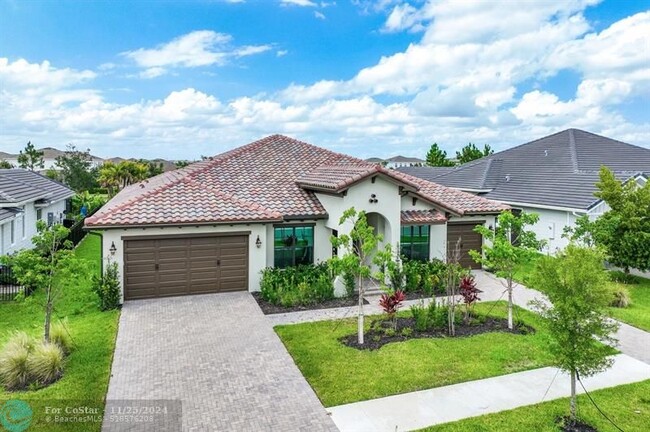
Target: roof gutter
{"x":179,"y":225}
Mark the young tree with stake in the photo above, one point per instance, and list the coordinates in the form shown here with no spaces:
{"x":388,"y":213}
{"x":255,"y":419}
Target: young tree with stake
{"x":506,"y":246}
{"x":360,"y":246}
{"x":576,"y":285}
{"x":48,"y":266}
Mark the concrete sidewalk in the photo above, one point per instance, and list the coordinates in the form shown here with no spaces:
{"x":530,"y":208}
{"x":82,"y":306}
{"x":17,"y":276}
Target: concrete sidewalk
{"x":446,"y":404}
{"x":631,"y":340}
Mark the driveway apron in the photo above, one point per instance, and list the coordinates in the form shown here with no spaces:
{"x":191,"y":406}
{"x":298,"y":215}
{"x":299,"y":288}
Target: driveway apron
{"x":218,"y":355}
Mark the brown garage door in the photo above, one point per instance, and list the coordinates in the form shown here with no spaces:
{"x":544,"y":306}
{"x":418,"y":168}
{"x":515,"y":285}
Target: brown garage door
{"x":470,"y":240}
{"x":174,"y":266}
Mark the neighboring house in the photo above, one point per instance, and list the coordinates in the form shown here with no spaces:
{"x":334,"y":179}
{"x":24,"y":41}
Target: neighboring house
{"x":26,"y":197}
{"x":214,"y":225}
{"x":49,"y":158}
{"x":554,"y":176}
{"x":398,"y":161}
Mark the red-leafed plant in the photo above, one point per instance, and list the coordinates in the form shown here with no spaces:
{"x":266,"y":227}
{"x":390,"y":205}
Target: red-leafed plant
{"x":391,"y":303}
{"x":469,"y":292}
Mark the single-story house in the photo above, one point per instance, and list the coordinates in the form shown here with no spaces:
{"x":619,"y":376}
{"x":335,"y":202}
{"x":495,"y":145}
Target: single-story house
{"x":50,"y":156}
{"x":398,"y":161}
{"x":554,"y":176}
{"x":214,"y":225}
{"x":26,"y":197}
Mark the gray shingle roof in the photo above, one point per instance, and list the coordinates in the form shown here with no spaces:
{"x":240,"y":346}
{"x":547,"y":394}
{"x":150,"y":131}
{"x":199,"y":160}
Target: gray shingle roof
{"x":19,"y":185}
{"x":558,"y":170}
{"x":8,"y":213}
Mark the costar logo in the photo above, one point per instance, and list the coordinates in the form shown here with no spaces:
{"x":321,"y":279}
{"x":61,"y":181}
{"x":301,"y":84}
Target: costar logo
{"x":15,"y":415}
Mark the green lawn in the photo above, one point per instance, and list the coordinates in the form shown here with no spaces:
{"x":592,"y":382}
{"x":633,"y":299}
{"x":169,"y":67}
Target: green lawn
{"x":628,"y":406}
{"x":340,"y":374}
{"x":88,"y":367}
{"x":637,"y":314}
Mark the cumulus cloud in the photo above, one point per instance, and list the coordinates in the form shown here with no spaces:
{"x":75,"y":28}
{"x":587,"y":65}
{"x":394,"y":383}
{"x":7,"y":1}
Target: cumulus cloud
{"x":465,"y":80}
{"x":198,"y":48}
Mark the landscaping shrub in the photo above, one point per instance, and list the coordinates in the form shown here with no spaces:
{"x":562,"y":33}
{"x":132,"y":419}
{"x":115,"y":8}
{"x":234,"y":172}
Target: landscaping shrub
{"x":45,"y":363}
{"x":620,"y":296}
{"x":107,"y":287}
{"x":423,"y":276}
{"x":419,"y":313}
{"x":390,"y":303}
{"x":300,"y":285}
{"x":429,"y":317}
{"x":350,"y":283}
{"x":469,"y":292}
{"x":622,"y":277}
{"x":60,"y":336}
{"x":14,"y":370}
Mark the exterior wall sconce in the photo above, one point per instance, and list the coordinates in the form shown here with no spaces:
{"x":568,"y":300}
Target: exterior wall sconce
{"x":373,"y":199}
{"x":258,"y":242}
{"x":113,"y":249}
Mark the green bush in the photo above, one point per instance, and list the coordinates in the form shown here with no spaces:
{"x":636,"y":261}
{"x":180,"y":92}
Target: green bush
{"x":60,"y":336}
{"x":350,"y":283}
{"x":45,"y":363}
{"x":107,"y":287}
{"x":621,"y":277}
{"x":14,"y":357}
{"x":424,"y":276}
{"x":300,"y":285}
{"x":419,"y":313}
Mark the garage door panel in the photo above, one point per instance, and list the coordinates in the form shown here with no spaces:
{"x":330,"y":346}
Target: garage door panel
{"x":470,"y":240}
{"x":180,"y":266}
{"x":198,"y":264}
{"x":144,"y":256}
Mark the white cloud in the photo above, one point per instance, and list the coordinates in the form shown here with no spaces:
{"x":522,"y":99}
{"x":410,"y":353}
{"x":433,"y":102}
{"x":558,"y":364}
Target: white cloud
{"x":404,"y":16}
{"x":319,"y":15}
{"x":303,"y":3}
{"x":39,"y":78}
{"x":480,"y":89}
{"x":198,"y":48}
{"x":281,"y":53}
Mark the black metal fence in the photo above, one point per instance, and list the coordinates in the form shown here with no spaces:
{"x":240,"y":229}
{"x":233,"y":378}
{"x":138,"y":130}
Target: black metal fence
{"x":77,"y":232}
{"x":9,"y":286}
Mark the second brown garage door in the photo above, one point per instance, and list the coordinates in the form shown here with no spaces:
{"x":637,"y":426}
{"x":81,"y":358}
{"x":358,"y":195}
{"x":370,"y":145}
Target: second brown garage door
{"x":470,"y":240}
{"x":175,"y":266}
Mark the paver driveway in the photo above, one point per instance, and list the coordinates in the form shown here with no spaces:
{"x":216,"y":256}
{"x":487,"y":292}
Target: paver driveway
{"x":219,"y":355}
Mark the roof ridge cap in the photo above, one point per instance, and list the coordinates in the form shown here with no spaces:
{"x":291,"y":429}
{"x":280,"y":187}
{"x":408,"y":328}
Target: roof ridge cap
{"x":573,"y":151}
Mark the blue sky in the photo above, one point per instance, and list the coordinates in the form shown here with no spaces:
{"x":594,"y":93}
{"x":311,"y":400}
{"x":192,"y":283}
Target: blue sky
{"x":182,"y":79}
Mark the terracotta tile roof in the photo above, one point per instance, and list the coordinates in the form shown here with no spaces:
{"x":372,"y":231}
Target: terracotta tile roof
{"x":422,"y":217}
{"x":259,"y":181}
{"x":339,"y":177}
{"x":455,"y":200}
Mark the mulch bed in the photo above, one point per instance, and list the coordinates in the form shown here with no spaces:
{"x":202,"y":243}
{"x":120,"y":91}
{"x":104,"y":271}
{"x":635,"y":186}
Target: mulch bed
{"x":270,"y":309}
{"x":568,"y":425}
{"x":376,"y":337}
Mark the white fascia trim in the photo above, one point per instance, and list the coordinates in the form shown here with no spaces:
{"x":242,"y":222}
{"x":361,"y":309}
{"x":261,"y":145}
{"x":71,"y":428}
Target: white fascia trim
{"x":541,"y":206}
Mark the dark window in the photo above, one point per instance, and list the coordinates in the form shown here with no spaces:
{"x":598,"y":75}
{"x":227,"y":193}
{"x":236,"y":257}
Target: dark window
{"x":293,"y":245}
{"x":50,"y":219}
{"x":414,"y":242}
{"x":39,"y":214}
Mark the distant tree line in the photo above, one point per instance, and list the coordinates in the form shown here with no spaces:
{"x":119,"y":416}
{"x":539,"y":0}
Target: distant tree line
{"x":438,"y":157}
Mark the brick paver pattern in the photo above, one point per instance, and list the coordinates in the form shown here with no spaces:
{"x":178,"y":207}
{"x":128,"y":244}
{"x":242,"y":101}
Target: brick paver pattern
{"x":219,"y":355}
